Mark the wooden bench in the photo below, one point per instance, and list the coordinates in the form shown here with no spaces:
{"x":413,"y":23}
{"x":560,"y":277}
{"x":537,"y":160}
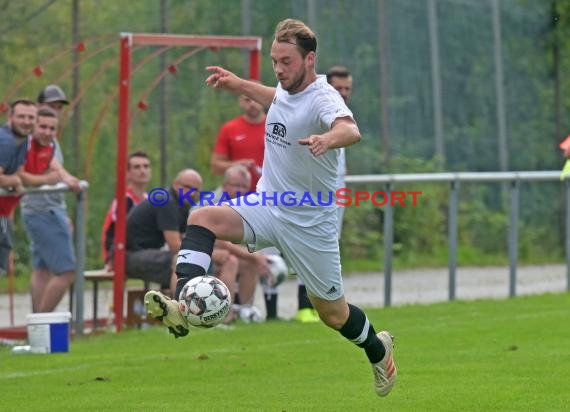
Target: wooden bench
{"x":96,"y":277}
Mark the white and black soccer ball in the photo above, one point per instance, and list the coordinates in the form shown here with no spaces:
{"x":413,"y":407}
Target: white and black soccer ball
{"x":205,"y":301}
{"x":278,"y":268}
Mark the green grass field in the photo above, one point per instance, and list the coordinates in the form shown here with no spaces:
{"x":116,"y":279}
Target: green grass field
{"x":510,"y":355}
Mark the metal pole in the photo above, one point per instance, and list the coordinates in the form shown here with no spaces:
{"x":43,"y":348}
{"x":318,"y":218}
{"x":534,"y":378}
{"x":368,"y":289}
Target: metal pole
{"x":556,"y":69}
{"x":436,"y":79}
{"x":76,"y":118}
{"x":246,"y":29}
{"x":384,"y":80}
{"x":254,"y":64}
{"x":500,"y":87}
{"x":567,"y":184}
{"x":122,"y":148}
{"x":311,"y":14}
{"x":513,"y":238}
{"x":452,"y":234}
{"x":163,"y":125}
{"x":388,"y":246}
{"x":79,"y":284}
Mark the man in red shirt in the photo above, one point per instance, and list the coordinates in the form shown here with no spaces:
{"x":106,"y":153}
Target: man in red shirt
{"x":45,"y":221}
{"x":138,"y":176}
{"x":241,"y":141}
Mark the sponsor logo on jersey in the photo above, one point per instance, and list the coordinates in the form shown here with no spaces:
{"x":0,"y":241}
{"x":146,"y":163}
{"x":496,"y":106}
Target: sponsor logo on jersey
{"x":277,"y":130}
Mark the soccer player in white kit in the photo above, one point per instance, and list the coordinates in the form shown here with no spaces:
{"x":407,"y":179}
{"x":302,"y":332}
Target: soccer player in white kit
{"x":307,"y":123}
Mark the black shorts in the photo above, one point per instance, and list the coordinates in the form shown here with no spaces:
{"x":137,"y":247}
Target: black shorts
{"x":151,"y":265}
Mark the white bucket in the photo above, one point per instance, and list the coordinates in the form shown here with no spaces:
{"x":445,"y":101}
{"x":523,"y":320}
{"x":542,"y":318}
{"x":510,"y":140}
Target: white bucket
{"x":48,"y":332}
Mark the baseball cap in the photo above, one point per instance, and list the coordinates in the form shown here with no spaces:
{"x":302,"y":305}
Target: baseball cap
{"x":52,"y":93}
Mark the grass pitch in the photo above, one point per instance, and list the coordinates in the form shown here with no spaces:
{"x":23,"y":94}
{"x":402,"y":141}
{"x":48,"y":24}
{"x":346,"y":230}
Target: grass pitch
{"x":510,"y":355}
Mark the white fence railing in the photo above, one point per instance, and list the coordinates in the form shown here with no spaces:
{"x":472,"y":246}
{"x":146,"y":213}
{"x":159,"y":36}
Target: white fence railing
{"x":513,"y":179}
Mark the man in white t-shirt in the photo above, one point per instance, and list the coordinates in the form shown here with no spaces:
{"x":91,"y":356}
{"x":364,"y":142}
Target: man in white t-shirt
{"x":306,"y":124}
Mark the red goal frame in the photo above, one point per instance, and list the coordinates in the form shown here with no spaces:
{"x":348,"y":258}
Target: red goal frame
{"x":127,"y":42}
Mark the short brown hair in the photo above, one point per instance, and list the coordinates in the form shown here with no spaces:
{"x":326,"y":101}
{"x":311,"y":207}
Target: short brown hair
{"x":47,"y":112}
{"x":338,"y":71}
{"x":137,"y":153}
{"x":298,"y":33}
{"x":23,"y":102}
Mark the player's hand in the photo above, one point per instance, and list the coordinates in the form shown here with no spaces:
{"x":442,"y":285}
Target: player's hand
{"x":73,"y":184}
{"x":13,"y":184}
{"x":109,"y":267}
{"x":249,"y":163}
{"x":317,"y":144}
{"x":221,"y":78}
{"x":17,"y":186}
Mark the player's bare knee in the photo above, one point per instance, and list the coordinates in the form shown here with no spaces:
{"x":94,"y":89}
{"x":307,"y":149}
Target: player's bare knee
{"x":334,"y":314}
{"x":332,"y":320}
{"x":198,"y":217}
{"x":208,"y":219}
{"x":220,"y":220}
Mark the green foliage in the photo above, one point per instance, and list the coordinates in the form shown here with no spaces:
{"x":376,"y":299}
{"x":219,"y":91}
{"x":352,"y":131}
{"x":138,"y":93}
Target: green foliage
{"x":418,"y":229}
{"x":356,"y":243}
{"x":484,"y":229}
{"x":420,"y":232}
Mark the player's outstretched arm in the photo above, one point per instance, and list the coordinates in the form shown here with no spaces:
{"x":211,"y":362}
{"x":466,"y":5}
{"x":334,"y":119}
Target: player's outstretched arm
{"x":344,"y":132}
{"x":221,"y":78}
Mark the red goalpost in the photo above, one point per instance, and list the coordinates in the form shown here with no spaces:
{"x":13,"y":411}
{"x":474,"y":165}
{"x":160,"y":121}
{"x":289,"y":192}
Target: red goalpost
{"x":127,"y":42}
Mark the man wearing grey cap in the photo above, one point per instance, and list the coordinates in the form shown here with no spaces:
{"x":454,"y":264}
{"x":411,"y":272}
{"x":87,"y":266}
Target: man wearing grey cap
{"x":54,"y":97}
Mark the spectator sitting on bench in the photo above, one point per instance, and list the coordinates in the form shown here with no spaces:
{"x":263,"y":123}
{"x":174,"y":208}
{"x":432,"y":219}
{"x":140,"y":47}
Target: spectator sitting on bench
{"x":138,"y":176}
{"x":151,"y":227}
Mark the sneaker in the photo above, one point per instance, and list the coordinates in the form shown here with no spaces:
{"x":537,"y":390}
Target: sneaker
{"x":307,"y":315}
{"x":161,"y":307}
{"x":385,"y":372}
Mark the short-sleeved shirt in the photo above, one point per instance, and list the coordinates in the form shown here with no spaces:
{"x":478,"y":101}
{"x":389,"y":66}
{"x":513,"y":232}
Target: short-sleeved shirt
{"x":47,"y":200}
{"x":108,"y":232}
{"x":292,"y":117}
{"x":12,"y":156}
{"x":38,"y":160}
{"x":240,"y":139}
{"x":146,"y":223}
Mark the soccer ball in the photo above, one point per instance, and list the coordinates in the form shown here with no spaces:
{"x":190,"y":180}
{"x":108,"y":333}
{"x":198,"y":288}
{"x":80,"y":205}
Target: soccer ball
{"x":205,"y":301}
{"x":278,"y":268}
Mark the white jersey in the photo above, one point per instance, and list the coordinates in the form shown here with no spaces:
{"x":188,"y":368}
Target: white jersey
{"x":289,"y":167}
